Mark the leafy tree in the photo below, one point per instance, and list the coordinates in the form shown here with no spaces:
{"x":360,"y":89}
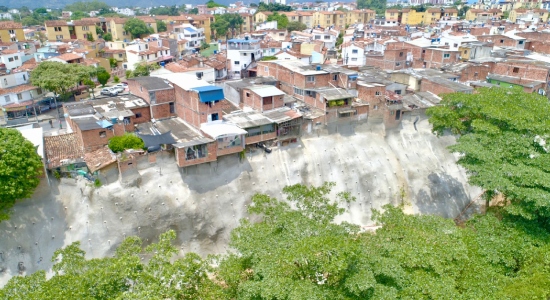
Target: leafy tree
{"x":502,"y":143}
{"x":60,"y":78}
{"x":77,"y":15}
{"x":137,"y":28}
{"x":108,"y":37}
{"x":253,"y":4}
{"x":161,"y":26}
{"x":113,"y":63}
{"x":267,"y":58}
{"x":282,"y":20}
{"x":212,"y":4}
{"x":20,"y":168}
{"x":377,"y":5}
{"x":87,"y":6}
{"x":227,"y":23}
{"x":296,"y":26}
{"x":165,"y":11}
{"x":142,"y":69}
{"x":127,"y":141}
{"x":103,"y":77}
{"x":273,"y":7}
{"x":193,"y":11}
{"x":99,"y":31}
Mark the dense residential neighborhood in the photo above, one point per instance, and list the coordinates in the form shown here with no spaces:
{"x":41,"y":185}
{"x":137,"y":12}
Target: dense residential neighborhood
{"x":204,"y":91}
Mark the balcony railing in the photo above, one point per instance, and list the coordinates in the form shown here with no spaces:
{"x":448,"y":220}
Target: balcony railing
{"x":243,"y":47}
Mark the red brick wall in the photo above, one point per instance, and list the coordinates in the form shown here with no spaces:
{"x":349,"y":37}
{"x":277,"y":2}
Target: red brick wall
{"x":261,"y":138}
{"x":162,"y":96}
{"x":436,"y":58}
{"x":190,"y":109}
{"x":496,"y":39}
{"x":162,"y":111}
{"x":524,"y":71}
{"x":92,"y":140}
{"x":212,"y":149}
{"x":475,"y":31}
{"x":430,"y":86}
{"x":475,"y":72}
{"x":145,"y":116}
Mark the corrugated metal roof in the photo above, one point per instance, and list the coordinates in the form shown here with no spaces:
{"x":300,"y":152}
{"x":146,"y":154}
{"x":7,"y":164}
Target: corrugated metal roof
{"x":266,"y":90}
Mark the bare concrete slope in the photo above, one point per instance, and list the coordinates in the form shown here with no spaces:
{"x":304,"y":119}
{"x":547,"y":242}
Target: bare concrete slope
{"x":204,"y":203}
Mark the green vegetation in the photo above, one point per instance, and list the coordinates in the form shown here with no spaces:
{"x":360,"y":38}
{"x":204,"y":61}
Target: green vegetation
{"x":161,"y":26}
{"x":212,"y":4}
{"x":273,"y":7}
{"x":502,"y":140}
{"x":339,"y":39}
{"x":297,"y":251}
{"x":97,"y":183}
{"x":165,"y":11}
{"x":282,"y":20}
{"x":127,"y":141}
{"x":377,"y":5}
{"x":116,"y":79}
{"x":20,"y":168}
{"x":142,"y":69}
{"x":103,"y":77}
{"x":108,"y":37}
{"x":137,"y":27}
{"x":60,"y":78}
{"x":193,"y":11}
{"x":87,"y":6}
{"x":295,"y":26}
{"x":227,"y":23}
{"x":37,"y":17}
{"x":207,"y":52}
{"x":267,"y":58}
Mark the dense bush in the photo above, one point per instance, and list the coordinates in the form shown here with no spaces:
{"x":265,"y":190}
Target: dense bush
{"x":127,"y":141}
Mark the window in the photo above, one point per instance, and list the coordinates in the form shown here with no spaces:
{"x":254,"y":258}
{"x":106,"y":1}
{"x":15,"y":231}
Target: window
{"x":335,"y":77}
{"x":502,"y":41}
{"x":5,"y":81}
{"x":237,"y":62}
{"x":16,"y":57}
{"x":7,"y":98}
{"x":10,"y":59}
{"x":11,"y":31}
{"x":397,"y":64}
{"x":520,"y":42}
{"x":57,"y":28}
{"x":266,"y":69}
{"x":85,"y":28}
{"x":455,"y":45}
{"x":317,"y":37}
{"x":19,"y":97}
{"x":446,"y":55}
{"x":354,"y":51}
{"x":298,"y":91}
{"x":465,"y":51}
{"x":327,"y":37}
{"x":377,"y":93}
{"x":247,"y":94}
{"x":59,"y":37}
{"x":376,"y":107}
{"x":197,"y":151}
{"x":24,"y":77}
{"x":310,"y":78}
{"x":267,"y":100}
{"x":400,"y":54}
{"x":102,"y":134}
{"x":354,"y":59}
{"x":172,"y":108}
{"x":281,"y":34}
{"x":515,"y":70}
{"x":138,"y":115}
{"x":424,"y":51}
{"x":120,"y":55}
{"x":398,"y":92}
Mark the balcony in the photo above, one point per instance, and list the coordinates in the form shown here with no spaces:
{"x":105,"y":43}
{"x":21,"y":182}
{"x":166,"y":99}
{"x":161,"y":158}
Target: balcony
{"x":243,"y":46}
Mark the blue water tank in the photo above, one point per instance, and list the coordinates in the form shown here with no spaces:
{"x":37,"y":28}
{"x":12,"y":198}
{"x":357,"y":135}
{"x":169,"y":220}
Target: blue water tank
{"x":318,"y":68}
{"x":215,"y":51}
{"x":162,"y":64}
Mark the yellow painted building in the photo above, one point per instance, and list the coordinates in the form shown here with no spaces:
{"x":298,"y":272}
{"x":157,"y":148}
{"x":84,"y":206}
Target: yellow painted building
{"x":392,"y":16}
{"x":150,"y":22}
{"x":115,"y":26}
{"x":329,"y":18}
{"x":432,"y":15}
{"x":482,"y":15}
{"x":359,"y":16}
{"x":83,"y":28}
{"x":204,"y":21}
{"x":261,"y":16}
{"x":11,"y":32}
{"x":58,"y":30}
{"x":411,"y":17}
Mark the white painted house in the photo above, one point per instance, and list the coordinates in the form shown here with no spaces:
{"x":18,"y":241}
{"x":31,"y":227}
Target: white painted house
{"x":140,"y":51}
{"x":353,"y":53}
{"x":241,"y":53}
{"x":287,"y":54}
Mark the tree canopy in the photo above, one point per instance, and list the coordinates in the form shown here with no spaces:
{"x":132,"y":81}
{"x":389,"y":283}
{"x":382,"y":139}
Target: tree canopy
{"x":297,"y":251}
{"x":227,"y":23}
{"x":212,"y":4}
{"x":127,"y":141}
{"x":87,"y":6}
{"x":377,"y":5}
{"x":282,"y":20}
{"x":503,"y":144}
{"x":20,"y":168}
{"x":273,"y":7}
{"x":137,"y":27}
{"x":161,"y":26}
{"x":58,"y":77}
{"x":165,"y":11}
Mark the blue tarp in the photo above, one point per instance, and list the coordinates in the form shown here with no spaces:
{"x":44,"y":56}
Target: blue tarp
{"x":104,"y":123}
{"x":210,"y":93}
{"x":354,"y":76}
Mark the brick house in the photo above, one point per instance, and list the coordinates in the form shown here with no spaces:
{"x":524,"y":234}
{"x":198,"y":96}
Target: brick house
{"x":159,"y":94}
{"x":439,"y":85}
{"x":94,"y":122}
{"x":500,"y":40}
